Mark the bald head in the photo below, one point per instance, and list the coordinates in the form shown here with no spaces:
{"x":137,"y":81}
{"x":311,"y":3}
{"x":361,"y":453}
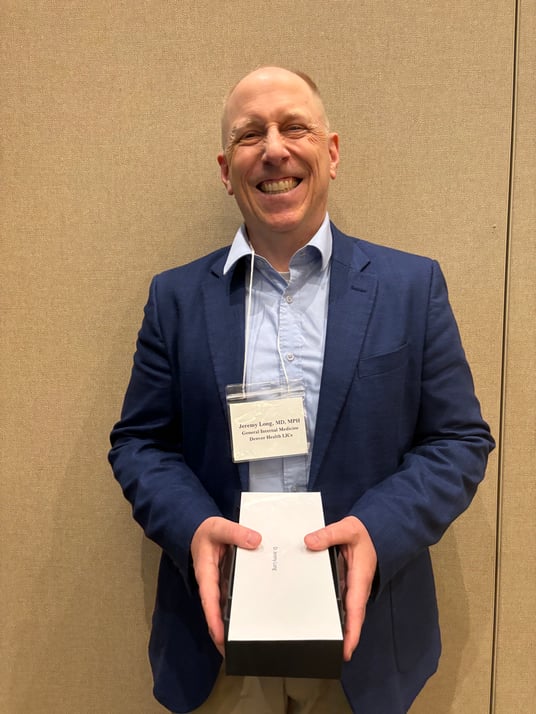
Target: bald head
{"x":278,"y":159}
{"x":260,"y":81}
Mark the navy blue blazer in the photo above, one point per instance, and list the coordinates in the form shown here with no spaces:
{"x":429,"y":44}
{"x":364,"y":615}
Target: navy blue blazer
{"x":400,"y":443}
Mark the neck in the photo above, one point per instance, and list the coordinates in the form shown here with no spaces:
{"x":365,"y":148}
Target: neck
{"x":278,"y":251}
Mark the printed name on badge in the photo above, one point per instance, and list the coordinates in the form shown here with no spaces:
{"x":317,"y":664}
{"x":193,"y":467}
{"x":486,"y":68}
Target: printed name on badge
{"x":269,"y":428}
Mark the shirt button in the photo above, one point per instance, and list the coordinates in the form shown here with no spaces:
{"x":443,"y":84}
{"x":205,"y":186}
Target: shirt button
{"x":290,"y":356}
{"x":289,"y":299}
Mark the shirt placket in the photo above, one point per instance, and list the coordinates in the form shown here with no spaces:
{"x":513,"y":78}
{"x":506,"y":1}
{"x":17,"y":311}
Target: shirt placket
{"x":291,"y":347}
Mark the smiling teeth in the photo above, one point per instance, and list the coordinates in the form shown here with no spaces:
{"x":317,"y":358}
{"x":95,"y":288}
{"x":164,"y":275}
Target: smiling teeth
{"x":278,"y":186}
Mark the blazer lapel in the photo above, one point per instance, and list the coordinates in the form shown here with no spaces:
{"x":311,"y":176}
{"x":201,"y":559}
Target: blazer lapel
{"x":224,"y":300}
{"x":351,"y":297}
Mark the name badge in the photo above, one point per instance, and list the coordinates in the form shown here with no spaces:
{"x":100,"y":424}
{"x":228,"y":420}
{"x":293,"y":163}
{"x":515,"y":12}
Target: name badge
{"x":266,"y":421}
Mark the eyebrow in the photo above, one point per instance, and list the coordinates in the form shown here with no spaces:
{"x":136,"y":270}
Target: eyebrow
{"x":256,"y":120}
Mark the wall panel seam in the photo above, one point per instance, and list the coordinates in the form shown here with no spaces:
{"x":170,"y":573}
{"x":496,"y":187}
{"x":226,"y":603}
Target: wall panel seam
{"x":504,"y":360}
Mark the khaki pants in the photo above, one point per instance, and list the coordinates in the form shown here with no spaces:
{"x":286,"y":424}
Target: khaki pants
{"x":275,"y":695}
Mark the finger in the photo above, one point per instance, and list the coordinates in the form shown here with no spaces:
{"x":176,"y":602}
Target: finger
{"x":357,"y":594}
{"x":209,"y":593}
{"x":352,"y":634}
{"x":353,"y":622}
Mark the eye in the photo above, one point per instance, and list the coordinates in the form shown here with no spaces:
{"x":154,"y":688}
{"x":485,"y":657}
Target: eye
{"x":250,"y":136}
{"x":296,"y":130}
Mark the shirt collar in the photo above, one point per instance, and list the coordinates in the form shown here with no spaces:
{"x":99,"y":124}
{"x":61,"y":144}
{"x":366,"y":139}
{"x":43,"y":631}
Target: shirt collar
{"x":322,"y":241}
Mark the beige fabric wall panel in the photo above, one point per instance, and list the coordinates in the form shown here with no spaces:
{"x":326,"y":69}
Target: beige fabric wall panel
{"x":515,"y":672}
{"x":110,"y":133}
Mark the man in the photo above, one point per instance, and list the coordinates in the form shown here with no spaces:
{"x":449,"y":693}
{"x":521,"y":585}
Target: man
{"x":398,"y":445}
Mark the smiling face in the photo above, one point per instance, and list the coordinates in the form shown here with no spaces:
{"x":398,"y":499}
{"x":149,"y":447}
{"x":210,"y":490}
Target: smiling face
{"x":279,"y":156}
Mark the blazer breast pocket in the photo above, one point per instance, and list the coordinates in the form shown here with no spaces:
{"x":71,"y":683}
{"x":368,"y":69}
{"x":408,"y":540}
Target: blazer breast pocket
{"x":384,"y":363}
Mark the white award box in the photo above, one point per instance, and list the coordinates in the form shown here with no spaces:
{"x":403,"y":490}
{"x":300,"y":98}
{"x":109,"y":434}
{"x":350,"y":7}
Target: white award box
{"x":283,"y":614}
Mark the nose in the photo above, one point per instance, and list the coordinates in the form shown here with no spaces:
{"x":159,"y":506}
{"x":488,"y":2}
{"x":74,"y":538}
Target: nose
{"x":275,"y":148}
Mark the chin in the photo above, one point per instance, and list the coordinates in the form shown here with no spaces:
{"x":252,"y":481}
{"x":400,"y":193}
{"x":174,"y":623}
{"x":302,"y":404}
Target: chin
{"x":284,"y":224}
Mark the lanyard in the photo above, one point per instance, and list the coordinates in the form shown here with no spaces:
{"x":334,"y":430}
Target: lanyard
{"x":248,"y":328}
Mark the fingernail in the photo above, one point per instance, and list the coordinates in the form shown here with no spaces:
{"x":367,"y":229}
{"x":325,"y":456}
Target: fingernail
{"x":252,"y":539}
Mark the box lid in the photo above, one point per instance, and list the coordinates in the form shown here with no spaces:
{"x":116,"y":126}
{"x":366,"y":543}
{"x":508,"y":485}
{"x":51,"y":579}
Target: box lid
{"x":282,"y":591}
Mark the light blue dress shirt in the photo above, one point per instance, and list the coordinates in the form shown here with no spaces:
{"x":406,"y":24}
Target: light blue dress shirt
{"x":287,"y":326}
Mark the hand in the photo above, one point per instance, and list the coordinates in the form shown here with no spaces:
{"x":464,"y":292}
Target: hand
{"x":208,"y":548}
{"x":360,"y":560}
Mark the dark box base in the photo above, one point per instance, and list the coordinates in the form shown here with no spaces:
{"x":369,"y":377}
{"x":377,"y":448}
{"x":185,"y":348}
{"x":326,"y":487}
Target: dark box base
{"x":322,"y":659}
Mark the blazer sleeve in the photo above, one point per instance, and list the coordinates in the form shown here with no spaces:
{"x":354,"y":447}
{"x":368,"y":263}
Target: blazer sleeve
{"x":146,"y":454}
{"x":438,"y":476}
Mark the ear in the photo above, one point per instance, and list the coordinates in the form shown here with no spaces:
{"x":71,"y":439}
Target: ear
{"x":224,"y":173}
{"x":333,"y":148}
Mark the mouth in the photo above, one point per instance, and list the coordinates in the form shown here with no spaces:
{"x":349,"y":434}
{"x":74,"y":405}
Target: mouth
{"x":278,"y":185}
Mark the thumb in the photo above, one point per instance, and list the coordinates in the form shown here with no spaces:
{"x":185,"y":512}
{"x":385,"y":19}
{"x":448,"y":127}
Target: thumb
{"x":235,"y":534}
{"x":247,"y":537}
{"x":320,"y":539}
{"x":338,"y":533}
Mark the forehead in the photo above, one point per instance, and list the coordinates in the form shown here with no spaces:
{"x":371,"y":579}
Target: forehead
{"x":268,"y":95}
